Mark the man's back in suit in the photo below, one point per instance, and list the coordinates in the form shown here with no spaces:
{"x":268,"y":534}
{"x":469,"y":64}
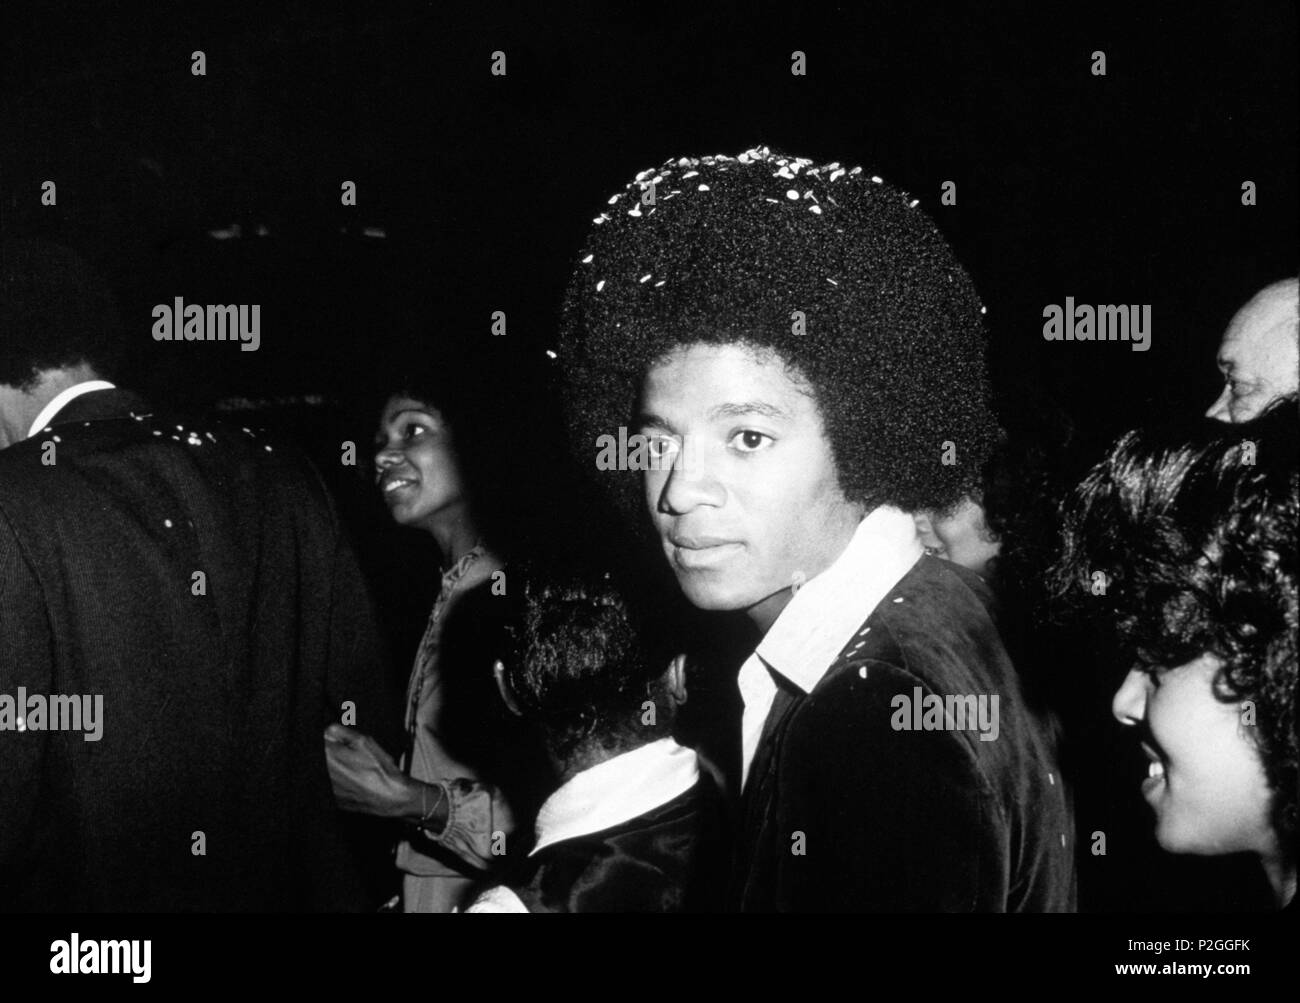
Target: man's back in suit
{"x":194,"y":576}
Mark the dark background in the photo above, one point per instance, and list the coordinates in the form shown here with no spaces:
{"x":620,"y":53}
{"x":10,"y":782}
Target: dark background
{"x":1117,"y":189}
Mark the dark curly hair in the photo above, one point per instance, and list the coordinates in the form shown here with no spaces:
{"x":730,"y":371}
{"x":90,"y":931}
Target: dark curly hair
{"x":734,"y":250}
{"x":1026,"y":477}
{"x":1196,"y":533}
{"x":587,"y":657}
{"x":55,"y":311}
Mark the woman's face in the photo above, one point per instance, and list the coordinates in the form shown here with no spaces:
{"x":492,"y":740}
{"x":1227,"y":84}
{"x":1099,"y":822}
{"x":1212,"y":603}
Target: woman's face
{"x":1205,"y":779}
{"x":960,"y":536}
{"x":415,"y":464}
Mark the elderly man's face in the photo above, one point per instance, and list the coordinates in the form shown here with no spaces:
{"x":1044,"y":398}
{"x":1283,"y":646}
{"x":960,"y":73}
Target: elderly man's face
{"x":1258,"y":357}
{"x":747,"y":502}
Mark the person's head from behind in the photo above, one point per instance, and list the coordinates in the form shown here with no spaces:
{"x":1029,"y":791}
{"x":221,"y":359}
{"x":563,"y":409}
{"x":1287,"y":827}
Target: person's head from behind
{"x":1259,"y":355}
{"x":58,"y":327}
{"x":591,"y":669}
{"x":1196,"y":535}
{"x":799,"y":345}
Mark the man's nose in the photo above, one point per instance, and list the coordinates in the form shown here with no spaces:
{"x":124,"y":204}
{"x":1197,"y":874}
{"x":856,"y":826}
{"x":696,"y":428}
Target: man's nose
{"x":1129,"y":704}
{"x":1219,"y":409}
{"x":690,"y":483}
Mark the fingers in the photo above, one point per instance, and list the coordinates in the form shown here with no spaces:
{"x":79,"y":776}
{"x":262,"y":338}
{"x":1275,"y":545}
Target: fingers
{"x":335,"y":732}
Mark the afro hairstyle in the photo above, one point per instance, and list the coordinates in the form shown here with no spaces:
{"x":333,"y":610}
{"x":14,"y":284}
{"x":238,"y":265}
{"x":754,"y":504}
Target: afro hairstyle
{"x":835,"y":271}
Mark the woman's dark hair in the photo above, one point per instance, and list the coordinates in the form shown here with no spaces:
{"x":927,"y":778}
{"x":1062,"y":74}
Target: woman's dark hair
{"x":1022,"y":485}
{"x":1196,"y":532}
{"x":588,"y":656}
{"x":838,"y":273}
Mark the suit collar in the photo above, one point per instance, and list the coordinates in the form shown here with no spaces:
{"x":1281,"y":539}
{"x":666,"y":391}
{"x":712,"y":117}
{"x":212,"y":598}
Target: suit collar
{"x":99,"y":403}
{"x":616,"y":791}
{"x":825,"y":613}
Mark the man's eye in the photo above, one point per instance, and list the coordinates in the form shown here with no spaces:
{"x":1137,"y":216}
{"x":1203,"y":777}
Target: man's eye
{"x":661,"y":445}
{"x":413,"y":430}
{"x":749,"y":441}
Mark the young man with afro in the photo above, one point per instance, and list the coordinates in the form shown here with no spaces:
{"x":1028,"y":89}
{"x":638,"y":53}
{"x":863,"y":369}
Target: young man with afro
{"x":805,"y":356}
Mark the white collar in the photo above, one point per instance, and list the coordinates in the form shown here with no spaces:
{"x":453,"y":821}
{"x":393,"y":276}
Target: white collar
{"x":616,"y":791}
{"x":62,"y":398}
{"x":823,"y":615}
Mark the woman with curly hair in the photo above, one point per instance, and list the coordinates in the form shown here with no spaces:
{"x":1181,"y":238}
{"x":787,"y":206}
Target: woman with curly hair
{"x":1193,"y":536}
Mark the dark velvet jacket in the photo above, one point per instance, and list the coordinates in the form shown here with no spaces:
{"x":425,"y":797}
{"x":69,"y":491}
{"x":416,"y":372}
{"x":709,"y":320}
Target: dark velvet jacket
{"x":844,"y":812}
{"x":670,"y":859}
{"x":208,"y":790}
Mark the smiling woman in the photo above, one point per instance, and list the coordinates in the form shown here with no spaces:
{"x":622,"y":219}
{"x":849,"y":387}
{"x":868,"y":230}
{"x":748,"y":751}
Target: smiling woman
{"x":472,"y":774}
{"x":1196,"y":533}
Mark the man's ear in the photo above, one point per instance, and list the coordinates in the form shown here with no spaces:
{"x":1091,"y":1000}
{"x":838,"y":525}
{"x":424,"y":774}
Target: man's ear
{"x":924,"y":524}
{"x":503,"y":686}
{"x":675,"y":677}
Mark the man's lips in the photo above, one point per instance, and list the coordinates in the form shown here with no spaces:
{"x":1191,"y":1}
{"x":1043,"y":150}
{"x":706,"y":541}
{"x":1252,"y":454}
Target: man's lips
{"x":694,"y":552}
{"x":698,"y":542}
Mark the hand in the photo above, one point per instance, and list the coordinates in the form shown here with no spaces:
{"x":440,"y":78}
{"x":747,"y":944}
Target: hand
{"x":365,"y":778}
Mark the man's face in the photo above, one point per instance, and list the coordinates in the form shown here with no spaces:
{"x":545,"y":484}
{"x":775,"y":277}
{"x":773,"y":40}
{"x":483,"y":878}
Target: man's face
{"x":1258,"y":356}
{"x":748,"y":502}
{"x":1205,"y":780}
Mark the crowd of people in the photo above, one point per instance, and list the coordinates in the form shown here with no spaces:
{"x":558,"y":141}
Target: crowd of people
{"x":800,"y":661}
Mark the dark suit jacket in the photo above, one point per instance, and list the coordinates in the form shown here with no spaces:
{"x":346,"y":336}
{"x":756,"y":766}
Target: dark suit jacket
{"x":844,"y":812}
{"x":208,"y":789}
{"x":669,"y":859}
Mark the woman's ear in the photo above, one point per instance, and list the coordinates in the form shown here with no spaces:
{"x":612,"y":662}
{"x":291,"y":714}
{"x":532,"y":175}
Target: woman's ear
{"x":675,"y":677}
{"x":503,"y":686}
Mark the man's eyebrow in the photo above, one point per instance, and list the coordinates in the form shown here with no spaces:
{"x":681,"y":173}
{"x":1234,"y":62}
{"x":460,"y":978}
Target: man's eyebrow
{"x":742,"y":408}
{"x":647,"y":419}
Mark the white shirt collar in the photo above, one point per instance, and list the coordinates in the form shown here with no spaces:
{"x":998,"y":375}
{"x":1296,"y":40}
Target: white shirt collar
{"x":616,"y":791}
{"x":825,"y":612}
{"x":823,"y":615}
{"x":61,"y":399}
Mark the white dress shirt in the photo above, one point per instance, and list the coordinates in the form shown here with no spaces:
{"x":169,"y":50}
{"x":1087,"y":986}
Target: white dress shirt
{"x":61,"y":400}
{"x":608,"y":794}
{"x":823,"y":615}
